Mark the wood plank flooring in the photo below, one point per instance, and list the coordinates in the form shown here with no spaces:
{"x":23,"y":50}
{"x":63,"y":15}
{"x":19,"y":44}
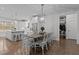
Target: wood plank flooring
{"x":62,"y":47}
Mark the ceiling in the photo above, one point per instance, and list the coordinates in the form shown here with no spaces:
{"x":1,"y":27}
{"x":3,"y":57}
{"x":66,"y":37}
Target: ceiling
{"x":22,"y":11}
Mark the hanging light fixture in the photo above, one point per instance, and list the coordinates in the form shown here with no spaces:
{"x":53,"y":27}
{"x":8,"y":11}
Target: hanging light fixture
{"x":42,"y":12}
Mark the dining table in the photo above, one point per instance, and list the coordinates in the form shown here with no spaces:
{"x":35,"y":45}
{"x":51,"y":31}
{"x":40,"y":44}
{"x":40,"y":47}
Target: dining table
{"x":35,"y":36}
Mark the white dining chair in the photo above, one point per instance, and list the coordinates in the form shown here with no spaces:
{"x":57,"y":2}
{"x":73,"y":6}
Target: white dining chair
{"x":26,"y":44}
{"x":49,"y":40}
{"x":41,"y":44}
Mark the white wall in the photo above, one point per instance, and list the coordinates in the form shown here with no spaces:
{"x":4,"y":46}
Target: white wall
{"x":78,"y":29}
{"x":52,"y":26}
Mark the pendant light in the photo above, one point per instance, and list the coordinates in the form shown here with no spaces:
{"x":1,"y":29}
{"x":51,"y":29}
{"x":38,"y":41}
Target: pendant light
{"x":42,"y":12}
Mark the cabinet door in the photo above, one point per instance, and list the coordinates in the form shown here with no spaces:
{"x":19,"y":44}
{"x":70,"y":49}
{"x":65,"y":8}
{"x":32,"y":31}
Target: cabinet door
{"x":71,"y":26}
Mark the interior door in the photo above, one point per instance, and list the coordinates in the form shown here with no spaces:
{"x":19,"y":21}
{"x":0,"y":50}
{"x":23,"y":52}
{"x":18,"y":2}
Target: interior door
{"x":71,"y":26}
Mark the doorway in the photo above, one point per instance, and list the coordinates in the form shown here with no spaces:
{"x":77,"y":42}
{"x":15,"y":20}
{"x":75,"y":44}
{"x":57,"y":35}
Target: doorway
{"x":62,"y":27}
{"x":62,"y":31}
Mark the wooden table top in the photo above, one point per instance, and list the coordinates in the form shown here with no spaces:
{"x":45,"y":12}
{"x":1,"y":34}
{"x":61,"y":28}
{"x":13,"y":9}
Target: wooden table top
{"x":35,"y":35}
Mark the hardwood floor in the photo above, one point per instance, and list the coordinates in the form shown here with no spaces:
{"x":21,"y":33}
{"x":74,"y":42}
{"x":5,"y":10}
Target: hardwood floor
{"x":8,"y":47}
{"x":62,"y":47}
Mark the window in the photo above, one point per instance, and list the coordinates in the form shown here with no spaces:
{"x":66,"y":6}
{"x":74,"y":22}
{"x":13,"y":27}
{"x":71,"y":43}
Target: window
{"x":6,"y":24}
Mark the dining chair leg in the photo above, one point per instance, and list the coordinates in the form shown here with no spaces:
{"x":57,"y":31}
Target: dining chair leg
{"x":35,"y":48}
{"x":46,"y":47}
{"x":42,"y":50}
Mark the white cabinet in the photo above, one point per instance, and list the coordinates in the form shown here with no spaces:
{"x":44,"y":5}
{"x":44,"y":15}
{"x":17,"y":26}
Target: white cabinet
{"x":71,"y":26}
{"x":17,"y":35}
